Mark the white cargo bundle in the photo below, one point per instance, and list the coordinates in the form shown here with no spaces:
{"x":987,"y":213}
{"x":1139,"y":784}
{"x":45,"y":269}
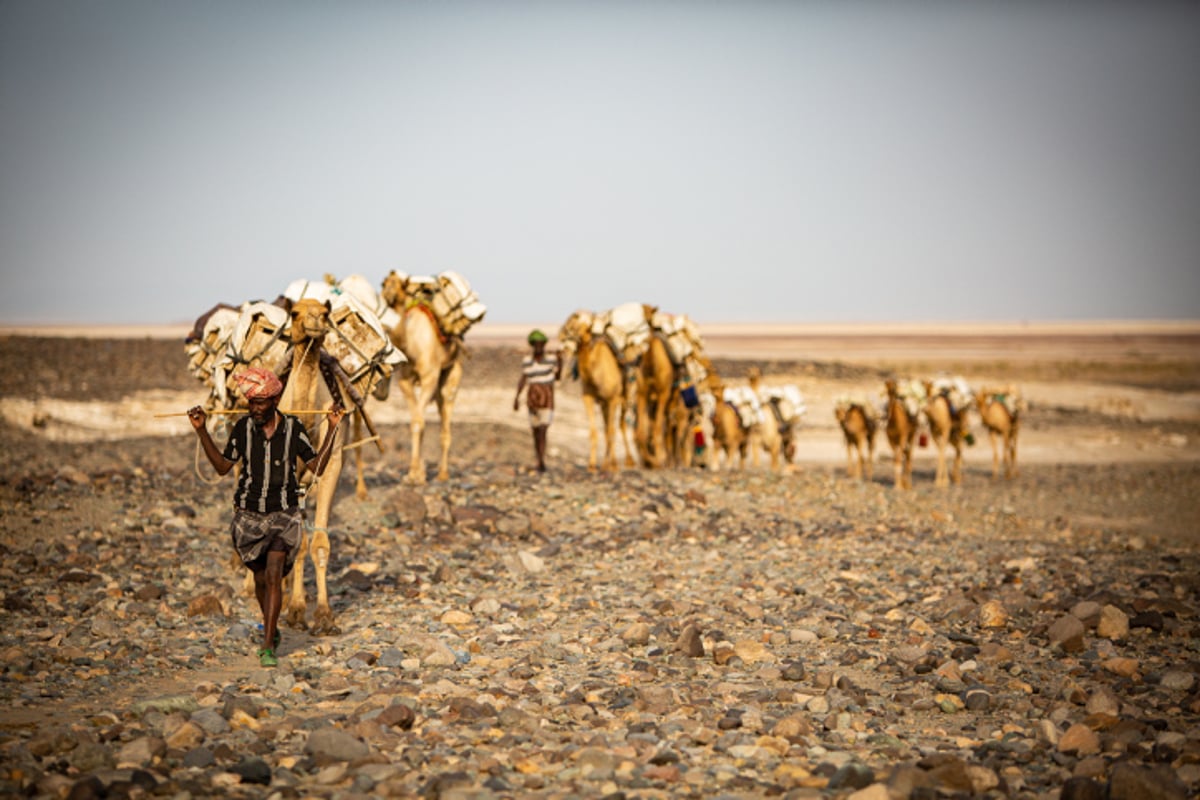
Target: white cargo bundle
{"x":746,"y":403}
{"x":847,"y":401}
{"x":681,"y":334}
{"x":204,"y":352}
{"x":455,"y":304}
{"x":626,"y":327}
{"x":955,"y":389}
{"x":358,"y":339}
{"x":259,"y":339}
{"x":787,"y":400}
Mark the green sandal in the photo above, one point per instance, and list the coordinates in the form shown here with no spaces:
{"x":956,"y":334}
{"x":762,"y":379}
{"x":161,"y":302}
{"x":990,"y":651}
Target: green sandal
{"x":266,"y":658}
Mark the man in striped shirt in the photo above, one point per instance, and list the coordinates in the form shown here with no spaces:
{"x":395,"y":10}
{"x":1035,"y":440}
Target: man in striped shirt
{"x":267,"y":519}
{"x":539,"y":372}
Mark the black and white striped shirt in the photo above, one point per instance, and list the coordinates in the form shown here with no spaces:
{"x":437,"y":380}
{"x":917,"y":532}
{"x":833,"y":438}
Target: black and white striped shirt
{"x":267,"y":481}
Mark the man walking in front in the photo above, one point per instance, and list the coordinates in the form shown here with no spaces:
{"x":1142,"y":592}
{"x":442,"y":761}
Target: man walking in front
{"x":267,"y":518}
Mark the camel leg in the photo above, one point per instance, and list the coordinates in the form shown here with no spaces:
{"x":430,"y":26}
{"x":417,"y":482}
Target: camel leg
{"x":641,"y":430}
{"x":659,"y":432}
{"x":447,"y":392}
{"x":318,"y":545}
{"x":609,"y":411}
{"x":297,"y":604}
{"x":589,"y":410}
{"x":851,"y":451}
{"x":1010,"y":469}
{"x":414,"y":397}
{"x":956,"y":474}
{"x":445,"y":411}
{"x":752,"y":444}
{"x":620,"y":412}
{"x":993,"y":438}
{"x":868,"y":464}
{"x":940,"y":477}
{"x":360,"y":481}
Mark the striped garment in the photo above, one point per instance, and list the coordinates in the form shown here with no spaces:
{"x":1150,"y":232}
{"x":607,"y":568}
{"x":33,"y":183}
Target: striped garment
{"x":267,"y":481}
{"x":539,"y":371}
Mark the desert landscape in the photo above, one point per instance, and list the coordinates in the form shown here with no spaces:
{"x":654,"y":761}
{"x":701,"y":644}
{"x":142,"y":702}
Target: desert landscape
{"x":667,"y":633}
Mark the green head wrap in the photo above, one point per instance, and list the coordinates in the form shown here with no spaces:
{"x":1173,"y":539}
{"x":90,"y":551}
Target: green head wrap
{"x":537,"y":336}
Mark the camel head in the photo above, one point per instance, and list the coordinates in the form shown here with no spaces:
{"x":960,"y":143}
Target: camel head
{"x":395,"y":289}
{"x":840,"y":412}
{"x":754,"y":378}
{"x":576,"y":331}
{"x":892,"y":388}
{"x":309,"y":319}
{"x":649,"y":311}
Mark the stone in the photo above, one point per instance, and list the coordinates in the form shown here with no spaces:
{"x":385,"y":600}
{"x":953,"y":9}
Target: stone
{"x":1177,"y":680}
{"x":1088,"y":612}
{"x":1066,"y":632}
{"x":397,"y":715}
{"x":141,"y":752}
{"x":752,"y":651}
{"x":1113,"y":624}
{"x":335,"y":745}
{"x":1104,"y":701}
{"x":993,"y":614}
{"x":689,"y":642}
{"x":1079,"y":740}
{"x":186,"y":737}
{"x":638,"y":634}
{"x":1079,"y":788}
{"x":252,"y":771}
{"x":205,"y":605}
{"x":1137,"y":782}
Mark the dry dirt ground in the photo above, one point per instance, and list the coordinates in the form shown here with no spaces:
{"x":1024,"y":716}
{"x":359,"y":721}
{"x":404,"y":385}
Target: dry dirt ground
{"x":1110,"y":453}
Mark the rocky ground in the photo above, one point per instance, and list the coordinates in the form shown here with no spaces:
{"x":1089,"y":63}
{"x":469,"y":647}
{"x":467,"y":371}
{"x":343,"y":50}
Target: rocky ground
{"x":653,"y":634}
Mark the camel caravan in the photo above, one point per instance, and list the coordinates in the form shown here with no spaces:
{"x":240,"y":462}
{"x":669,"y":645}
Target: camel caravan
{"x":645,"y":369}
{"x":340,"y":340}
{"x":924,"y":411}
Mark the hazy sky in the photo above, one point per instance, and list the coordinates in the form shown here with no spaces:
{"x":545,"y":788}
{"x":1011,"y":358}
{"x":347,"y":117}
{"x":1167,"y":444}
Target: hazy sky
{"x":736,"y":161}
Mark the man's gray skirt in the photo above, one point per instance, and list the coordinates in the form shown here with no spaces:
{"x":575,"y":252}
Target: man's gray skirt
{"x":253,"y":533}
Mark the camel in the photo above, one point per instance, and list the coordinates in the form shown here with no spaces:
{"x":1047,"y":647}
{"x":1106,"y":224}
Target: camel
{"x":731,"y":434}
{"x":948,"y":426}
{"x":1002,"y":421}
{"x":858,"y":427}
{"x":602,"y":380}
{"x":431,"y":374}
{"x":901,"y":431}
{"x":655,"y":385}
{"x":306,"y":389}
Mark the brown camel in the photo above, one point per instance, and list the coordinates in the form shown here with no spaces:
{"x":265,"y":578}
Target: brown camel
{"x":948,"y":426}
{"x":901,"y":431}
{"x":306,"y":389}
{"x":729,"y":435}
{"x":602,"y":380}
{"x":858,"y":426}
{"x":655,"y":385}
{"x":1001,"y":415}
{"x":431,"y":374}
{"x":732,"y":434}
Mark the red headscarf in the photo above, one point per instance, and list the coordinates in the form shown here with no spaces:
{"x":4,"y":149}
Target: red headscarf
{"x":258,"y":382}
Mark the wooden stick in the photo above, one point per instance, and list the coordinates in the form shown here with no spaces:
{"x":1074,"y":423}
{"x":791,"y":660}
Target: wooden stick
{"x":361,"y":442}
{"x":243,"y":411}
